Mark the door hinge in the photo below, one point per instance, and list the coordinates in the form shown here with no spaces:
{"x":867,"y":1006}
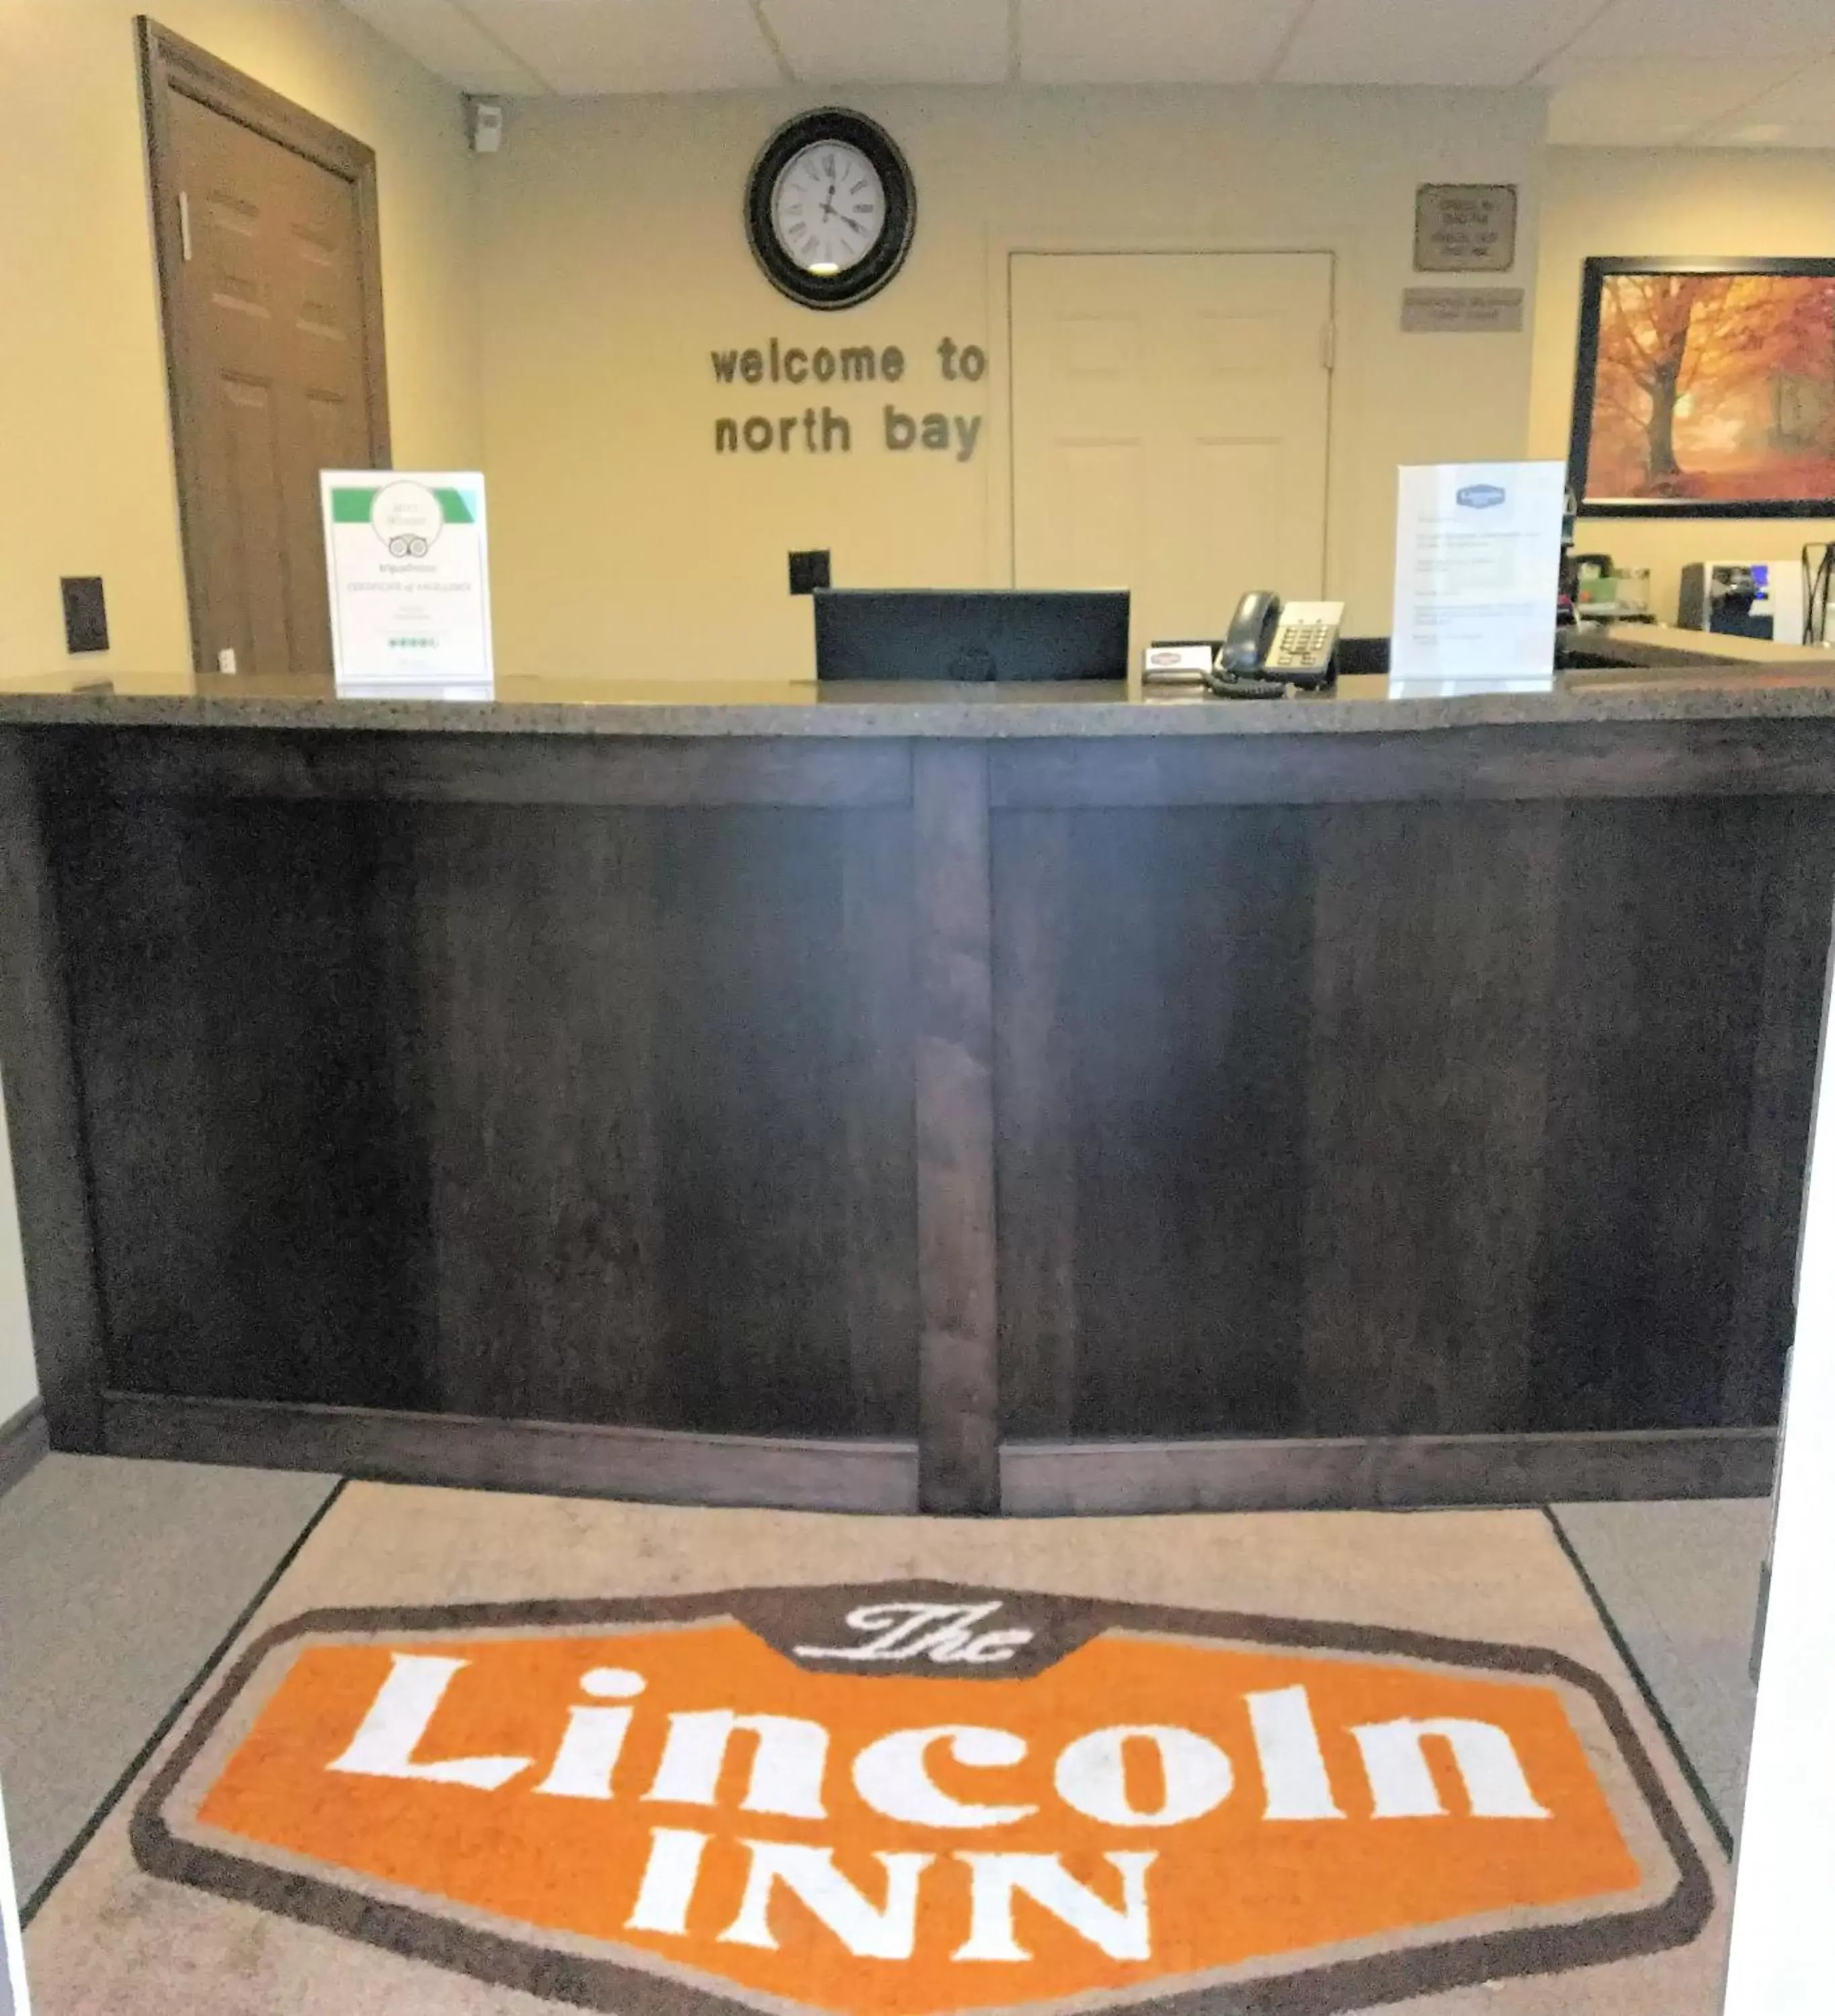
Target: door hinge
{"x":185,"y":225}
{"x":1329,"y":347}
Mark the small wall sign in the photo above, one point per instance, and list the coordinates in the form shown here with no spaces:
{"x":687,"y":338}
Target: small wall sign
{"x":1465,"y":227}
{"x":1462,"y":311}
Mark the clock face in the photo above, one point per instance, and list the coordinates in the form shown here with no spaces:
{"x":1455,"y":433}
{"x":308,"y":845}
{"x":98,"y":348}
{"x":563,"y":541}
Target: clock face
{"x":828,"y":210}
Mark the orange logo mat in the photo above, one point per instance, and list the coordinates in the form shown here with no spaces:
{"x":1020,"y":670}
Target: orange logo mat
{"x":915,"y":1799}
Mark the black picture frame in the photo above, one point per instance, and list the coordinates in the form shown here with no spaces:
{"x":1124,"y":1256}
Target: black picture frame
{"x":860,"y":282}
{"x":1595,"y":274}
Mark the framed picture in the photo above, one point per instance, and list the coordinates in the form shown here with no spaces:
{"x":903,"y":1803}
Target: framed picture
{"x":1705,"y":388}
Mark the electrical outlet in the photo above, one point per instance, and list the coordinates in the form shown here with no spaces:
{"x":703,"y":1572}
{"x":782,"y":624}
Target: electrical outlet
{"x":85,"y":614}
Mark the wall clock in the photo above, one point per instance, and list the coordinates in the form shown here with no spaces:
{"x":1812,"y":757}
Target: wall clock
{"x":830,"y":209}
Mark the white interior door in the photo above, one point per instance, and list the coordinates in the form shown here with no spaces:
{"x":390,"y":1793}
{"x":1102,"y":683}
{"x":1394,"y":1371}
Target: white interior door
{"x":1171,"y":415}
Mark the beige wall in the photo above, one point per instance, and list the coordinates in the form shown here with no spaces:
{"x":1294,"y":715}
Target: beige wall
{"x":615,"y":262}
{"x":85,"y":462}
{"x":1605,"y":202}
{"x":551,"y":314}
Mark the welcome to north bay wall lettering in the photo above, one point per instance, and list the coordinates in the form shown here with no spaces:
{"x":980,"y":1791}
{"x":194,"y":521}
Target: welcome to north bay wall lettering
{"x":902,"y":423}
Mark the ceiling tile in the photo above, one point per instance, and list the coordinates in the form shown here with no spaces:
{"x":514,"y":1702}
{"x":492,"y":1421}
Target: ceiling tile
{"x":582,"y":47}
{"x":1798,"y":113}
{"x":447,"y":42}
{"x":1151,"y":41}
{"x":892,"y":41}
{"x":1805,"y":133}
{"x":1495,"y":42}
{"x":1783,"y":115}
{"x":1655,"y":105}
{"x":1810,"y":95}
{"x":1744,"y":32}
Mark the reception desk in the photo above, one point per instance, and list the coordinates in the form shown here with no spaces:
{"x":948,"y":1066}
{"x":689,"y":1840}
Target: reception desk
{"x":1038,"y":1101}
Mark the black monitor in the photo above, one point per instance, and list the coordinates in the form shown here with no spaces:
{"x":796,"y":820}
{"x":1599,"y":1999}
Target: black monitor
{"x":971,"y":634}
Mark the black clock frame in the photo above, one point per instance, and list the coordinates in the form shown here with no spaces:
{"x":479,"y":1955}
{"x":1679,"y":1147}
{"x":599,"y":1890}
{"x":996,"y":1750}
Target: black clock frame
{"x":860,"y":282}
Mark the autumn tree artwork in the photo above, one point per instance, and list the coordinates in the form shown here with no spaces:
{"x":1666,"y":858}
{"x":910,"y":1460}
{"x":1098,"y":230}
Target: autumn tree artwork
{"x":1712,"y":388}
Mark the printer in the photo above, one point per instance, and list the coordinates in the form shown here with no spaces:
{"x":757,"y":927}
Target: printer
{"x":1743,"y":599}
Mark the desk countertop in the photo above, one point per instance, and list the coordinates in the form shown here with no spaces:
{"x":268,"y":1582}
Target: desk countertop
{"x":1658,"y":676}
{"x":802,"y":1013}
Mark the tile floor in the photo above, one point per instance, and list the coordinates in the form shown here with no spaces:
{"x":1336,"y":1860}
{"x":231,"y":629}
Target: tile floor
{"x":119,"y":1580}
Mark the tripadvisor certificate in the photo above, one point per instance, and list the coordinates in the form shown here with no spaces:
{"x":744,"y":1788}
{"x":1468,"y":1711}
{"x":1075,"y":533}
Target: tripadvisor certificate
{"x":408,"y":571}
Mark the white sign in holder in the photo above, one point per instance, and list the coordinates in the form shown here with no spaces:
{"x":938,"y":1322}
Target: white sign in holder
{"x":13,"y":2001}
{"x":1782,"y":1960}
{"x":1477,"y":576}
{"x":407,"y":560}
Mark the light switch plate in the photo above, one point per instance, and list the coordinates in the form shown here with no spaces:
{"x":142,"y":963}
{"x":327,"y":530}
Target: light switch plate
{"x":809,"y":571}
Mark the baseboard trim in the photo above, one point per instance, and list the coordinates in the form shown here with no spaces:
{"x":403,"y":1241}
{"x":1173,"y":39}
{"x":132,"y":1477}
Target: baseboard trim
{"x":1039,"y":1478}
{"x":580,"y":1460}
{"x":24,"y":1440}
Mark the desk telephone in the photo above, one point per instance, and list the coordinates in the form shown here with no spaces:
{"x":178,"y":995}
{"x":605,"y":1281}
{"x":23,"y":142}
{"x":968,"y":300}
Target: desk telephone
{"x":1272,"y":645}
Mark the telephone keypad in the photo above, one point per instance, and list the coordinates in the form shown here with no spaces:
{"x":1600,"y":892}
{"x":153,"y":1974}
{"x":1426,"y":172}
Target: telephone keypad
{"x":1304,"y":645}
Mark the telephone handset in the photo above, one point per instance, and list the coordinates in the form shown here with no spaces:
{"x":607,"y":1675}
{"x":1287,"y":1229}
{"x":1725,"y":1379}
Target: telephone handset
{"x":1271,"y":646}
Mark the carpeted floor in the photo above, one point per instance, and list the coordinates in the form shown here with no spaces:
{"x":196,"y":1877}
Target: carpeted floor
{"x":499,"y":1754}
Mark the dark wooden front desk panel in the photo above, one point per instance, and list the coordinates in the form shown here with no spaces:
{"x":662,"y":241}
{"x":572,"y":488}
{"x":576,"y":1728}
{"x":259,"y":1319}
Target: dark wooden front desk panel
{"x":1061,"y":1122}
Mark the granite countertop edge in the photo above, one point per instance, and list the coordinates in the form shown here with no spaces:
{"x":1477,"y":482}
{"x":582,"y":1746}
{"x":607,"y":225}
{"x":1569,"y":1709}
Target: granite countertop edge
{"x":930,"y":718}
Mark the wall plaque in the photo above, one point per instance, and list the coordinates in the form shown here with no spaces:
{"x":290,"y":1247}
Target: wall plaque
{"x":1462,"y":310}
{"x":1465,"y":227}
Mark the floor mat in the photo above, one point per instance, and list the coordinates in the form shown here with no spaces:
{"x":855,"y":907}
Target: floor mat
{"x":489,"y":1753}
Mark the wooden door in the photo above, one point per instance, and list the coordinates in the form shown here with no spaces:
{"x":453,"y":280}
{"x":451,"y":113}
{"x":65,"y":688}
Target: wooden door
{"x":266,"y":223}
{"x":1171,"y":423}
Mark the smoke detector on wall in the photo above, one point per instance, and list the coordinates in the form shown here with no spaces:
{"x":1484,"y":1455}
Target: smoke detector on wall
{"x":484,"y":116}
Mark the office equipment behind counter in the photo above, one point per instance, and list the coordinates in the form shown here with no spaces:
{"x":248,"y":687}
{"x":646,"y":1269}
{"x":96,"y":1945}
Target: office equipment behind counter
{"x":977,"y":636}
